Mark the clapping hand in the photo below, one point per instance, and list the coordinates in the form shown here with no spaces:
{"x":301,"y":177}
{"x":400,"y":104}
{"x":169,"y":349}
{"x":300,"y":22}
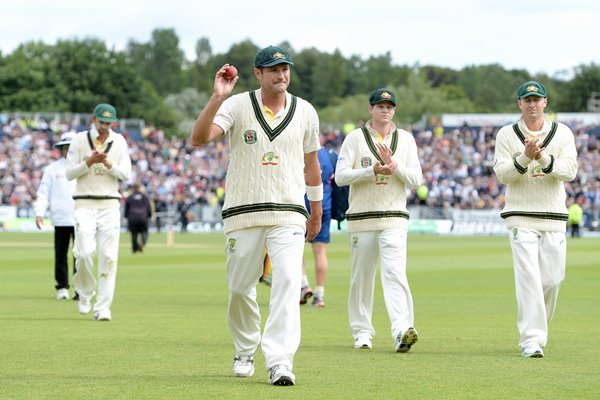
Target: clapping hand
{"x":96,"y":157}
{"x":533,"y":148}
{"x":389,"y":165}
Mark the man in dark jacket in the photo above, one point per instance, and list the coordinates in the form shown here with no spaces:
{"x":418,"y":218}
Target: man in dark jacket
{"x":138,"y":211}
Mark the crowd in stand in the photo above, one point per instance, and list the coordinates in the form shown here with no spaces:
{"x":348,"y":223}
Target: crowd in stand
{"x":457,"y":166}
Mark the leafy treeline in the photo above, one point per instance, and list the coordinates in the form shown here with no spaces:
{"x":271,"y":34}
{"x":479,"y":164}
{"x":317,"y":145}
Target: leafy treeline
{"x":155,"y":81}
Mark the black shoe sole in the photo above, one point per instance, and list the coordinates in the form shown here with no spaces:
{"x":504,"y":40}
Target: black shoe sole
{"x":307,"y":296}
{"x":408,"y":339}
{"x":284,"y":381}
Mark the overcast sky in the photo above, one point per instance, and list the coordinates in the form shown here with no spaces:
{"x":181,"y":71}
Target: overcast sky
{"x":540,"y":36}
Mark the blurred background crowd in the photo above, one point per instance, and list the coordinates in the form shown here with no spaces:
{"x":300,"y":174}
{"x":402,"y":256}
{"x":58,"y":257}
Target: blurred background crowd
{"x":181,"y":180}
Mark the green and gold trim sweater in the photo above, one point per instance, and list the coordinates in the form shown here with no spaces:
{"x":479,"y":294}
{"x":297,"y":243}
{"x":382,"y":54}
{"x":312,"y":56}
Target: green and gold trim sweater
{"x":265,"y":177}
{"x":535,"y":191}
{"x":377,"y":202}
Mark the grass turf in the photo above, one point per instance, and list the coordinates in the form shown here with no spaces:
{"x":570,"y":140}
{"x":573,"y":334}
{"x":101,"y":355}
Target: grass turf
{"x":169,"y":338}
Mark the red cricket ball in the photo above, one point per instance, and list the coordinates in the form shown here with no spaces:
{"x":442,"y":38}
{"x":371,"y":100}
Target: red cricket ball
{"x":230,"y":73}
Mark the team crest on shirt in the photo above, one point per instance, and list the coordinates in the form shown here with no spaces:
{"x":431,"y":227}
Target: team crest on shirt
{"x":270,"y":158}
{"x":354,"y":241}
{"x":98,"y":169}
{"x":365,"y":162}
{"x":536,"y":171}
{"x":381,"y":180}
{"x":250,"y":136}
{"x":231,"y":246}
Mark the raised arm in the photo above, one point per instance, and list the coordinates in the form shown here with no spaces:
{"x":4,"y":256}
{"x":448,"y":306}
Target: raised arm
{"x":205,"y":131}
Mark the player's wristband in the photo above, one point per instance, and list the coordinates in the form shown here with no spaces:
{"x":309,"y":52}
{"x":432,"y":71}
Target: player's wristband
{"x":314,"y":193}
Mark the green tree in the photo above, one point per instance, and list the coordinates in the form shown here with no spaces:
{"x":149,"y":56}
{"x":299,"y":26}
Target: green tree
{"x":413,"y":100}
{"x":577,"y":91}
{"x":73,"y":76}
{"x":375,"y":72}
{"x":186,"y":105}
{"x":199,"y":74}
{"x":23,"y":79}
{"x":328,"y":79}
{"x":439,"y":76}
{"x":304,"y":64}
{"x":491,"y":87}
{"x":241,"y":56}
{"x":159,"y":61}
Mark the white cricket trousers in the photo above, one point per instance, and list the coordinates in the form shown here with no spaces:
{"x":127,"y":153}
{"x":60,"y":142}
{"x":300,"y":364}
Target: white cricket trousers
{"x":539,"y":260}
{"x":96,"y":231}
{"x":245,"y":251}
{"x":365,"y":248}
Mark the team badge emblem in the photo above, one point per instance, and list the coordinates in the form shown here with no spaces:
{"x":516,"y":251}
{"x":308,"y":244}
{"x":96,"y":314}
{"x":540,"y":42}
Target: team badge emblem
{"x":381,"y":180}
{"x":537,"y":172}
{"x":532,"y":88}
{"x":386,"y":95}
{"x":98,"y":169}
{"x":365,"y":162}
{"x":231,"y":246}
{"x":278,"y":55}
{"x":270,"y":158}
{"x":250,"y":136}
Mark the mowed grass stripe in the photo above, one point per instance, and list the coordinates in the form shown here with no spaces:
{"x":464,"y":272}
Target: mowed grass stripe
{"x":169,"y":337}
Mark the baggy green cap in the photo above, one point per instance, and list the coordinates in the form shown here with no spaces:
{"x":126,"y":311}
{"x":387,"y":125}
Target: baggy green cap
{"x":270,"y":56}
{"x":381,"y":95}
{"x":531,"y":88}
{"x":105,"y":112}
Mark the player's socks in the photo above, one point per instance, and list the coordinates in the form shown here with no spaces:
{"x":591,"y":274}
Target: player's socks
{"x":320,"y":292}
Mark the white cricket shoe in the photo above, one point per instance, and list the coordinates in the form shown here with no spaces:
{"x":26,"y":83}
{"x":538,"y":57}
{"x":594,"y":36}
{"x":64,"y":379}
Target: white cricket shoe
{"x":102,"y":316}
{"x":281,"y":375}
{"x":363,"y":342}
{"x":406,"y":339}
{"x":62,"y":294}
{"x":243,"y":366}
{"x":532,"y":350}
{"x":84,"y":306}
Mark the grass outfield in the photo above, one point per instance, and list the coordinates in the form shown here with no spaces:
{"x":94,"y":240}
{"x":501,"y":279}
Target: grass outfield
{"x":169,"y":338}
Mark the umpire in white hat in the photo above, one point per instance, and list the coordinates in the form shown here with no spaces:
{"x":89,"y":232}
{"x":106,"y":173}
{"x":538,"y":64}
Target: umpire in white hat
{"x":55,"y":193}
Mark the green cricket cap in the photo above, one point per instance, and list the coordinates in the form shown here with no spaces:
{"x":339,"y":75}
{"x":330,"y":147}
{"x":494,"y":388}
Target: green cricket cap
{"x":381,"y":95}
{"x":531,"y":88}
{"x":105,"y":112}
{"x":270,"y":56}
